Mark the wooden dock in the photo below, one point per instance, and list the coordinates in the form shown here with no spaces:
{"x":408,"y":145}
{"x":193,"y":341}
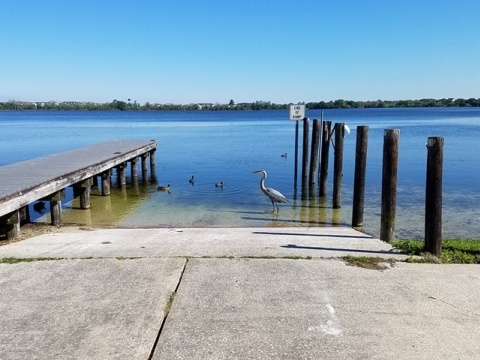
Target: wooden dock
{"x":46,"y":178}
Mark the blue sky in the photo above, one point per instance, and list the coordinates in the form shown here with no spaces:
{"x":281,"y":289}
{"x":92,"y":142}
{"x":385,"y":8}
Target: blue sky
{"x":181,"y":51}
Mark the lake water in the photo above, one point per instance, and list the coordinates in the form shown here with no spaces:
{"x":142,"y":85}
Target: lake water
{"x":228,"y":145}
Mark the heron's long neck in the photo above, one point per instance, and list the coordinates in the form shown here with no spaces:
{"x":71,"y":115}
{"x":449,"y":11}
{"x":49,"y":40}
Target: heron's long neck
{"x":262,"y":182}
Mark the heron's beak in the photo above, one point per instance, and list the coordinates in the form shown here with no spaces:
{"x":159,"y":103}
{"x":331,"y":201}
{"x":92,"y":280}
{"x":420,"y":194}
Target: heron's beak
{"x":256,"y":171}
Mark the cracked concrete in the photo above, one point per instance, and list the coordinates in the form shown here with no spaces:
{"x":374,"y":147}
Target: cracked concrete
{"x":243,"y":295}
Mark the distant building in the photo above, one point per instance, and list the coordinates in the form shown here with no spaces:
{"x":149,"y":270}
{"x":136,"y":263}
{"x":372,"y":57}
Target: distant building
{"x":204,"y":105}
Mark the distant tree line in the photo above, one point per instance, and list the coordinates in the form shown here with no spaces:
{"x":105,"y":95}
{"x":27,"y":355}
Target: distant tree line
{"x":257,"y":105}
{"x":349,"y":104}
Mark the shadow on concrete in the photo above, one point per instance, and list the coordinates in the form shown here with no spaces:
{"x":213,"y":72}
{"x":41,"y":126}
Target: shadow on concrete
{"x":312,"y":235}
{"x":383,"y":252}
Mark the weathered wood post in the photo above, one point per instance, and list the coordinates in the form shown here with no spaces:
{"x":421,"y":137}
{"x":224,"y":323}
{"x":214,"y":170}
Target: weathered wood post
{"x":122,"y":180}
{"x":295,"y":172}
{"x":144,"y":168}
{"x":24,"y":215}
{"x":327,"y":126}
{"x":106,"y":182}
{"x":153,"y":172}
{"x":134,"y":171}
{"x":56,"y":207}
{"x":433,"y":198}
{"x":82,"y":190}
{"x":389,"y":183}
{"x":359,"y":180}
{"x":338,"y":165}
{"x":11,"y":224}
{"x":305,"y":153}
{"x":314,"y":154}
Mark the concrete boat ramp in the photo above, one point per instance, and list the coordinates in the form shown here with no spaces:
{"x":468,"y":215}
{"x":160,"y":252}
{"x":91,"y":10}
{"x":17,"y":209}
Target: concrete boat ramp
{"x":230,"y":293}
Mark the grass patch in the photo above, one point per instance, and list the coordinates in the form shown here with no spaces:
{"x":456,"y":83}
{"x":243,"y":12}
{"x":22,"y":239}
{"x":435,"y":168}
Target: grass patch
{"x":13,"y":260}
{"x":169,"y":304}
{"x":368,"y":262}
{"x":454,"y":251}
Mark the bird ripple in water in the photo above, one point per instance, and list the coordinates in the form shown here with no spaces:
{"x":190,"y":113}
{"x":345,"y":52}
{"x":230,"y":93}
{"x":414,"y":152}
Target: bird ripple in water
{"x":164,"y":188}
{"x":220,"y":184}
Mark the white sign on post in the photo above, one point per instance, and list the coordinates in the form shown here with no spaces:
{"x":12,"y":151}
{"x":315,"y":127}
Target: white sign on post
{"x":297,"y":112}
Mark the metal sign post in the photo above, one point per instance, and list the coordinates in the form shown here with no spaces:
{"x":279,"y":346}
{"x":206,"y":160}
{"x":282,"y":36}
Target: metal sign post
{"x":297,"y":112}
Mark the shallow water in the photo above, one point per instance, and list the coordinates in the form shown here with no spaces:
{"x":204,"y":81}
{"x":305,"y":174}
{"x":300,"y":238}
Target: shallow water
{"x":228,"y":146}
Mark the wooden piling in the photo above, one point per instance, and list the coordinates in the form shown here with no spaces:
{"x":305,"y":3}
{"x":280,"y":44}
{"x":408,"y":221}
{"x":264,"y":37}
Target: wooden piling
{"x":359,"y":180}
{"x":314,"y":153}
{"x":82,"y":190}
{"x":338,"y":165}
{"x":106,"y":183}
{"x":24,"y":215}
{"x":56,"y":207}
{"x":389,"y":183}
{"x":11,"y":224}
{"x":122,"y":181}
{"x":134,"y":171}
{"x":305,"y":153}
{"x":153,"y":171}
{"x":433,"y":198}
{"x":144,"y":168}
{"x":322,"y":187}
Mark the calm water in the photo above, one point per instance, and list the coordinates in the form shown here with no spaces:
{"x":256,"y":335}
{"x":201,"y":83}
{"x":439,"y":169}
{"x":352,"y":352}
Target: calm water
{"x":228,"y":146}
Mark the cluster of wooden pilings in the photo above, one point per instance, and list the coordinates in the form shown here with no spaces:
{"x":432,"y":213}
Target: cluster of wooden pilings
{"x":45,"y":179}
{"x":335,"y":137}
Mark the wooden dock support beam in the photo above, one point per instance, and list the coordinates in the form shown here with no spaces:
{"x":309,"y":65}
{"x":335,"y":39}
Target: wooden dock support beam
{"x":153,"y":172}
{"x":359,"y":180}
{"x":122,"y":180}
{"x":56,"y":206}
{"x":134,"y":171}
{"x":11,"y":224}
{"x":106,"y":182}
{"x":82,"y":190}
{"x":144,"y":168}
{"x":389,"y":184}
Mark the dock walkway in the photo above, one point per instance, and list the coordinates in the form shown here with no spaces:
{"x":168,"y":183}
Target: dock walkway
{"x":45,"y":178}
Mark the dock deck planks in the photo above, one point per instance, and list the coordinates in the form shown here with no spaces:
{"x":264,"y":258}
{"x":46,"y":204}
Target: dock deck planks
{"x":27,"y":181}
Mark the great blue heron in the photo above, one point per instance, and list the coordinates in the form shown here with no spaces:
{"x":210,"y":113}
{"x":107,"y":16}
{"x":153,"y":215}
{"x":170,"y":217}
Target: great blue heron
{"x":274,"y":195}
{"x":220,"y":184}
{"x":192,"y":180}
{"x":164,"y":188}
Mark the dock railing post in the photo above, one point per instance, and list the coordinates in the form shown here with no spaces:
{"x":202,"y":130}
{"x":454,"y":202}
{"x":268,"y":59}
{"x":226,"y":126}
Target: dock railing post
{"x":389,"y":184}
{"x":322,"y":187}
{"x":433,"y":196}
{"x":338,"y":165}
{"x":359,"y":180}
